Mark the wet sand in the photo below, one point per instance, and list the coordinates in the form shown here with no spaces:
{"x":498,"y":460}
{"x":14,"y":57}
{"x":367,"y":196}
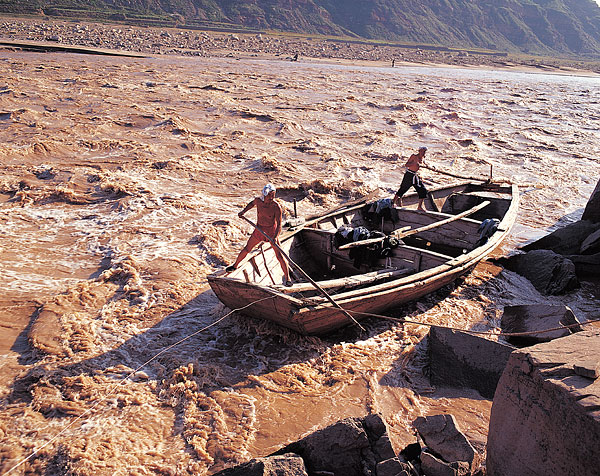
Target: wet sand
{"x":121,"y":183}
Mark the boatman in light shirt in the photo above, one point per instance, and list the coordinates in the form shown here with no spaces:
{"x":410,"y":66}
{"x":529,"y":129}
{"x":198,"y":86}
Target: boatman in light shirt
{"x":268,"y":218}
{"x":412,"y":179}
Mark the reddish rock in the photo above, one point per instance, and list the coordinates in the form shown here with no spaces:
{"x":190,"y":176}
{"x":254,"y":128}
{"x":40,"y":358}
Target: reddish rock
{"x":282,"y":465}
{"x":586,"y":266}
{"x":433,"y":466}
{"x":535,"y":318}
{"x":549,"y":272}
{"x":545,"y":419}
{"x":460,"y":359}
{"x":591,"y":244}
{"x":393,"y":467}
{"x":589,"y":368}
{"x":566,"y":240}
{"x":346,"y":448}
{"x":443,"y":437}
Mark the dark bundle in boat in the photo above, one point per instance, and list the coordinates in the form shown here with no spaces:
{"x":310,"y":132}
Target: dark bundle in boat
{"x":394,"y":255}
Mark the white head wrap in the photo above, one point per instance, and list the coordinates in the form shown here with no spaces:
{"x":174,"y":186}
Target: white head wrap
{"x":266,"y":190}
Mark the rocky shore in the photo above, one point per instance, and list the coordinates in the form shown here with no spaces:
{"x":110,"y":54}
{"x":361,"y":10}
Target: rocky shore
{"x":185,"y":42}
{"x":545,"y":392}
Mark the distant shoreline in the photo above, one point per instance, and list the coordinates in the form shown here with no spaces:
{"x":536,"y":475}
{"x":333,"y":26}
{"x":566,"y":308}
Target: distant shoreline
{"x":521,"y":68}
{"x":132,"y":40}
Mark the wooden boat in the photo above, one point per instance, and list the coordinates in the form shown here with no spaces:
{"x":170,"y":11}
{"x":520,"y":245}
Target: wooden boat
{"x":416,"y":253}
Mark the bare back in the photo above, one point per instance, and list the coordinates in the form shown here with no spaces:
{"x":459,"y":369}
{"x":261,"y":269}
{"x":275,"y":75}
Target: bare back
{"x":414,"y":162}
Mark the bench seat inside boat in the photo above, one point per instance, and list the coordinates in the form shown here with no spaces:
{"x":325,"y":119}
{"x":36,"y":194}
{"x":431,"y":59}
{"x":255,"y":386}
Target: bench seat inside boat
{"x":347,"y":282}
{"x":404,"y":257}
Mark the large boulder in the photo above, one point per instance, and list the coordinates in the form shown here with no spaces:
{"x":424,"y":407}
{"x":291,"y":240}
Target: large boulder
{"x":586,"y":266}
{"x":566,"y":240}
{"x":394,"y":467}
{"x":460,"y":359}
{"x":446,"y":442}
{"x":346,"y":448}
{"x":545,"y":419}
{"x":431,"y":465}
{"x":282,"y":465}
{"x":533,"y":318}
{"x":549,"y":272}
{"x":591,"y":244}
{"x":592,"y":209}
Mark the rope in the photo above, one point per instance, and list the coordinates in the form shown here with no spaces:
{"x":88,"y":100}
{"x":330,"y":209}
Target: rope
{"x":297,"y":266}
{"x":118,"y":384}
{"x":166,"y":349}
{"x":490,"y":333}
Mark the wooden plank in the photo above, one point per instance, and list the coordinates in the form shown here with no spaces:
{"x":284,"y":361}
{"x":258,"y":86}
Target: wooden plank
{"x":411,"y":252}
{"x":319,"y":231}
{"x":447,"y":220}
{"x":414,"y":286}
{"x":262,"y":252}
{"x":254,"y":264}
{"x":418,"y":261}
{"x":433,"y":202}
{"x":348,"y":282}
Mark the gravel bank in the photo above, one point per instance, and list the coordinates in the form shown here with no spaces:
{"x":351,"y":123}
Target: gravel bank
{"x":157,"y":41}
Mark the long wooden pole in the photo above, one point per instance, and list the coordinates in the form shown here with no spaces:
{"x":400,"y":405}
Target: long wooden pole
{"x":319,"y":288}
{"x":482,"y":179}
{"x":449,"y":174}
{"x":403,"y":234}
{"x":468,"y":212}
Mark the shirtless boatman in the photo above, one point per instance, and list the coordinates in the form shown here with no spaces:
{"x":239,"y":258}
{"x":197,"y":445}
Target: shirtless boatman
{"x":269,"y":217}
{"x":412,"y":179}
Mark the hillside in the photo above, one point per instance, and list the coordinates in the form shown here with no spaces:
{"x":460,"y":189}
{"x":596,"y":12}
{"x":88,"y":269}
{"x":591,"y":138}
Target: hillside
{"x":565,"y":27}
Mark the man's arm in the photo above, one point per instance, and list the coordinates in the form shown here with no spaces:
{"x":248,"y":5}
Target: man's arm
{"x":247,"y":207}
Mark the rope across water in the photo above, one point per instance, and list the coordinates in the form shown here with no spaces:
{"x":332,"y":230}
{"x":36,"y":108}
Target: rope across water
{"x":364,"y":314}
{"x":470,"y":331}
{"x":118,"y":384}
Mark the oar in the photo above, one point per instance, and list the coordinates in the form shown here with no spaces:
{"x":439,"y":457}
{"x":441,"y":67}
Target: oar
{"x":343,"y":208}
{"x":403,"y":234}
{"x":449,"y":174}
{"x":319,"y":288}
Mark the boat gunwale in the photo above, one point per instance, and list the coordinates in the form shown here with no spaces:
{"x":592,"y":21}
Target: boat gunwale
{"x":449,"y":270}
{"x":466,"y":260}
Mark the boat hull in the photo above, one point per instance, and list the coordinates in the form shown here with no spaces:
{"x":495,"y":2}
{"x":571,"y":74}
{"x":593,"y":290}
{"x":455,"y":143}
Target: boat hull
{"x":348,"y":299}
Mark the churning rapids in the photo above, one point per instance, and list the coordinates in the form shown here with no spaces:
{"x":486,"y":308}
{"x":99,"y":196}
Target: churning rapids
{"x":120,"y":187}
